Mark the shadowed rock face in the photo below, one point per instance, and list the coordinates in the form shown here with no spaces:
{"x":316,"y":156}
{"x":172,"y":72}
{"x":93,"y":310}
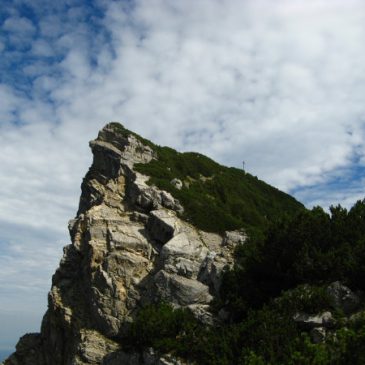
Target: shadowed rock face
{"x":129,"y":248}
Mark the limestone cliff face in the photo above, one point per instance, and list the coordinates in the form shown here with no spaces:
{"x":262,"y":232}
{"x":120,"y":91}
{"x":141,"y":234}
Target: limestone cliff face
{"x":129,"y":248}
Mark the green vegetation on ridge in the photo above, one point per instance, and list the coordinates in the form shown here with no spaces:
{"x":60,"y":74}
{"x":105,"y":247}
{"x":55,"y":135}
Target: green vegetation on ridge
{"x":311,"y":247}
{"x":215,"y":198}
{"x":284,"y":270}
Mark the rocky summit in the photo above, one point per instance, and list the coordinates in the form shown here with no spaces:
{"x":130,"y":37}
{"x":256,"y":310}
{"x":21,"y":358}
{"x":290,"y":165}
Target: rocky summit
{"x":176,"y":259}
{"x":130,"y":248}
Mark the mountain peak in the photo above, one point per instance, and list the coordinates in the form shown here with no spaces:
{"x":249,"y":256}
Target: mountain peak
{"x":130,"y":248}
{"x":141,"y":238}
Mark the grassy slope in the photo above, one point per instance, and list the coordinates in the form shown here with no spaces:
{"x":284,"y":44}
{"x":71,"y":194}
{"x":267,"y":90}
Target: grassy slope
{"x":215,"y":197}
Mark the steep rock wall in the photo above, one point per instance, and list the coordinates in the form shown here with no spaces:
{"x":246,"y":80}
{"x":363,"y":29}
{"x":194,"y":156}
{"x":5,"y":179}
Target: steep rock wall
{"x":129,"y":248}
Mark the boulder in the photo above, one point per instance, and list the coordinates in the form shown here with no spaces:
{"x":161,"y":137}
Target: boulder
{"x":177,"y":183}
{"x":342,"y":298}
{"x":148,"y":357}
{"x":181,"y":291}
{"x":181,"y":246}
{"x":93,"y":347}
{"x":162,"y":225}
{"x":318,"y":334}
{"x":307,"y":321}
{"x":234,"y":238}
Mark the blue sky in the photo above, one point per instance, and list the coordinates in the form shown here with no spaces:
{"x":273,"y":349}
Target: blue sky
{"x":280,"y":85}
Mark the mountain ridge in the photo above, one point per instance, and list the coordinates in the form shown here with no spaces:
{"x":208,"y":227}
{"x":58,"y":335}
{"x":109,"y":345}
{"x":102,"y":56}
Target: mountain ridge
{"x":164,"y":268}
{"x":129,"y":248}
{"x":214,"y":185}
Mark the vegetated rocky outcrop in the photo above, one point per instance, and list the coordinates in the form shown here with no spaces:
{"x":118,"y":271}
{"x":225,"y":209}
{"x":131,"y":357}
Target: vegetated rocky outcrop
{"x":341,"y":300}
{"x":155,"y":226}
{"x":129,"y":248}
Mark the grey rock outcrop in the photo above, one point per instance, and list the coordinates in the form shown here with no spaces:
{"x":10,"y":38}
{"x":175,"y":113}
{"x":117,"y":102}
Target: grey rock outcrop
{"x":233,"y":238}
{"x":129,"y":248}
{"x":318,"y":334}
{"x":342,"y":298}
{"x":177,"y":183}
{"x":307,"y":321}
{"x":148,"y":357}
{"x":318,"y":325}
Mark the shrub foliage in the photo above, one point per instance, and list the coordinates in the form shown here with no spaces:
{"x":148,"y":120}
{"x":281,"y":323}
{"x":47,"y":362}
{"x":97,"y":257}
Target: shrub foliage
{"x":284,"y":268}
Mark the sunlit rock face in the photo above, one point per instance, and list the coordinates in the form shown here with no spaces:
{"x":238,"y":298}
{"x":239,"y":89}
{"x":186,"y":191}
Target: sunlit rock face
{"x":129,"y":249}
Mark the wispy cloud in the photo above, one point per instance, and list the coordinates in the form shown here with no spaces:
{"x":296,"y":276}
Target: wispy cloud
{"x":278,"y":85}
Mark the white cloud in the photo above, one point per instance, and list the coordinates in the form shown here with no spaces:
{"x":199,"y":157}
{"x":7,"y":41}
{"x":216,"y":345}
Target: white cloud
{"x":18,"y":25}
{"x":281,"y":80}
{"x":42,"y":48}
{"x":8,"y":105}
{"x":20,"y":31}
{"x":279,"y":85}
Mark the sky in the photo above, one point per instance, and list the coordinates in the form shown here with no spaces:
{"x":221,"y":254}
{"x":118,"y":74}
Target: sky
{"x":277,"y":84}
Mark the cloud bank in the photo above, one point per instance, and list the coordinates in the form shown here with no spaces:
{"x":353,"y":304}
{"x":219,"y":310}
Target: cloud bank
{"x":277,"y":85}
